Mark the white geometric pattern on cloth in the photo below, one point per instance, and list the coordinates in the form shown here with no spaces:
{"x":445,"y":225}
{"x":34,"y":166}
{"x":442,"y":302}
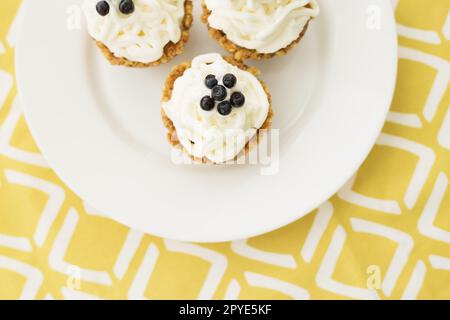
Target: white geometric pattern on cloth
{"x":46,"y":231}
{"x":34,"y":277}
{"x":7,"y":131}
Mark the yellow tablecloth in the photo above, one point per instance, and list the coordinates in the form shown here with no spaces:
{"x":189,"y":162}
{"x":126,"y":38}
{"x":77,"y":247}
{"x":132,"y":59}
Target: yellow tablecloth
{"x":386,"y":234}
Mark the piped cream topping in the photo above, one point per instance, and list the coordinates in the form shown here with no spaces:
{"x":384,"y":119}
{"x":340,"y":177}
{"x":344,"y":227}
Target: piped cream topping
{"x":140,"y":36}
{"x":262,"y":25}
{"x":207,"y":133}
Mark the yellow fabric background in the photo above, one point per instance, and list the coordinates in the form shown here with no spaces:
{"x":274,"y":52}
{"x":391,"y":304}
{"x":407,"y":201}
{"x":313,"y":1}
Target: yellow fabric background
{"x":53,"y":246}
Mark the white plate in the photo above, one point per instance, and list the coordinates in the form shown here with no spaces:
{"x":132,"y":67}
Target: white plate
{"x":99,"y":126}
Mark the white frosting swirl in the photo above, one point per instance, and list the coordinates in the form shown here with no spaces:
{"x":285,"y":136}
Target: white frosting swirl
{"x":207,"y":133}
{"x":263,"y":25}
{"x":140,"y":36}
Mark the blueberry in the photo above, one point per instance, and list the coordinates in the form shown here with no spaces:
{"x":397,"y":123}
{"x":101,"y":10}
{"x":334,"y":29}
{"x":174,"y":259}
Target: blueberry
{"x":210,"y":81}
{"x":219,"y":93}
{"x":207,"y":103}
{"x":224,"y":108}
{"x":126,"y":6}
{"x":237,"y":99}
{"x":229,"y":80}
{"x":102,"y":8}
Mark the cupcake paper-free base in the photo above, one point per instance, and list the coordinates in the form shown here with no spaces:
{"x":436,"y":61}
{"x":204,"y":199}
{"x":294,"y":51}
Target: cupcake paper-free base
{"x":203,"y":134}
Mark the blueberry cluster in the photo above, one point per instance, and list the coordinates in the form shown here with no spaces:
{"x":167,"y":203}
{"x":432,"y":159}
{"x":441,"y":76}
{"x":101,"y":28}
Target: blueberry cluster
{"x":219,"y":94}
{"x":125,"y":7}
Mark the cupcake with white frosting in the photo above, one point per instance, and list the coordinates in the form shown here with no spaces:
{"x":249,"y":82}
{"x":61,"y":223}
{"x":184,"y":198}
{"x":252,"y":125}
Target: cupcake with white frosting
{"x":139,"y":33}
{"x":214,"y":108}
{"x":258,"y":29}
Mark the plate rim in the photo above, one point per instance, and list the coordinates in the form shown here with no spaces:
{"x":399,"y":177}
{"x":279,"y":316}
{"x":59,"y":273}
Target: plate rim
{"x":281,"y":223}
